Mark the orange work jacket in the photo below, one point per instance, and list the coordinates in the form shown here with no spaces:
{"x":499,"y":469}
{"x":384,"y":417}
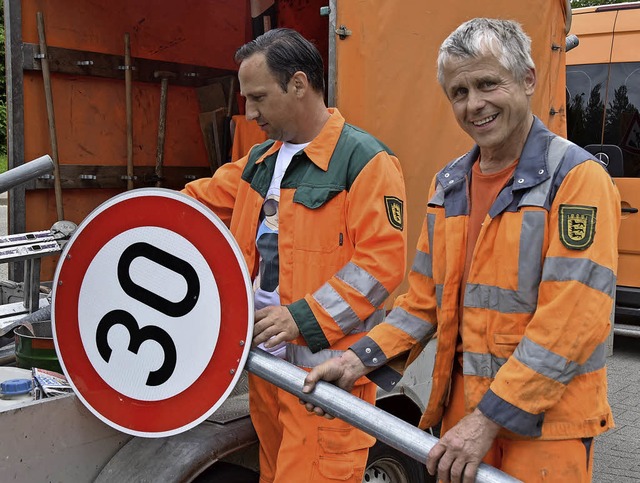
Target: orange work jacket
{"x":538,"y":299}
{"x":341,"y":243}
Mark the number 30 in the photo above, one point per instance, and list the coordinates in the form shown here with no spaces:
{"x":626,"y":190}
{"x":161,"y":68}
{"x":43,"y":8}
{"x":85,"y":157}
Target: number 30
{"x":137,"y":334}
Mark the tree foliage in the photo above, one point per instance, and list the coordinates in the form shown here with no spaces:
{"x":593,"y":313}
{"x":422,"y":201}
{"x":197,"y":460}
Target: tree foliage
{"x":3,"y":88}
{"x":594,"y":3}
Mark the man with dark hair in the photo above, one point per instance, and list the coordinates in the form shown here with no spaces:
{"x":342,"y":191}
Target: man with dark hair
{"x":515,"y":273}
{"x":318,"y":212}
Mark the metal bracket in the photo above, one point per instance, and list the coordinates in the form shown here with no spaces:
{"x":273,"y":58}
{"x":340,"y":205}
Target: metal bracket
{"x":343,"y":32}
{"x":30,"y":248}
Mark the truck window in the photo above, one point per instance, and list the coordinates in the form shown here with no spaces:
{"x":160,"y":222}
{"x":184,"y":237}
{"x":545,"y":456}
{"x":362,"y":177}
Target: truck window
{"x":596,"y":118}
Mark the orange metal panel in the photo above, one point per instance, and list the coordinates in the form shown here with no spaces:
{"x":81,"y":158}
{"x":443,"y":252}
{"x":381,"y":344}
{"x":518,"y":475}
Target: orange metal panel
{"x":629,"y":236}
{"x":90,"y":111}
{"x":202,"y":32}
{"x":594,"y":29}
{"x":626,"y":46}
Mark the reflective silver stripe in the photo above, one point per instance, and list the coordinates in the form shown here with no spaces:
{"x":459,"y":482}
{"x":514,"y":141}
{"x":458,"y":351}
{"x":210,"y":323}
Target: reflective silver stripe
{"x":555,"y":366}
{"x":482,"y":365}
{"x":438,"y":197}
{"x":439,"y":290}
{"x":365,"y":283}
{"x":530,"y":256}
{"x":594,"y":275}
{"x":488,"y":365}
{"x":431,"y":228}
{"x":337,"y":308}
{"x":496,"y":298}
{"x":370,"y":322}
{"x":422,"y":264}
{"x":595,"y":362}
{"x":524,"y":299}
{"x":301,"y":355}
{"x":414,"y":326}
{"x":537,"y":195}
{"x":545,"y":362}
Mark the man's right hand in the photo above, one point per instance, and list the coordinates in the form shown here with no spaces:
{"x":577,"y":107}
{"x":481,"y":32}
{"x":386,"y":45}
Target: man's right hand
{"x":342,"y":371}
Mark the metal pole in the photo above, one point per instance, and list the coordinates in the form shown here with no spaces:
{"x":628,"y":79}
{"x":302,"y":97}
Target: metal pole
{"x":26,"y":172}
{"x":387,"y":428}
{"x":571,"y":42}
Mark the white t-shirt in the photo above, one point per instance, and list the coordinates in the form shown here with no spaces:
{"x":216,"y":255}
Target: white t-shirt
{"x":266,"y":283}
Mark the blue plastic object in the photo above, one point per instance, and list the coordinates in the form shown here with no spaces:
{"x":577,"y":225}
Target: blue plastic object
{"x":15,"y":387}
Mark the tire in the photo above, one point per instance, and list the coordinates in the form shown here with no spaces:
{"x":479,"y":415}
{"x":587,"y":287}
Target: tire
{"x":388,"y":465}
{"x":227,"y":473}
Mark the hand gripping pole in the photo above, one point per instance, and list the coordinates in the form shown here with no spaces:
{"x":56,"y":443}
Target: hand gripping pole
{"x":387,"y":428}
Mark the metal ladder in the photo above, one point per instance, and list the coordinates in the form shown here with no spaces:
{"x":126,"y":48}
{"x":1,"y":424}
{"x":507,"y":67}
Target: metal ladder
{"x":28,"y":248}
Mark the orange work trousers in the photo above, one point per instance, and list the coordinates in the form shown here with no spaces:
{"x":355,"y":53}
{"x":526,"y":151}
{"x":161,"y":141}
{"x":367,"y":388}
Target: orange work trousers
{"x":299,"y":447}
{"x":531,"y":461}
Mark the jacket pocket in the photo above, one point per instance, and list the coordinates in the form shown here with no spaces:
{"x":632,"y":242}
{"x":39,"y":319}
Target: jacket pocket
{"x":343,"y":452}
{"x":505,"y":344}
{"x":507,"y":339}
{"x":319,"y":219}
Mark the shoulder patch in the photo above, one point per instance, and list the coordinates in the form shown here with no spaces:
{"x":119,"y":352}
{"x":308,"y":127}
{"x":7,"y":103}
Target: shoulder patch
{"x":577,"y":226}
{"x":395,"y":213}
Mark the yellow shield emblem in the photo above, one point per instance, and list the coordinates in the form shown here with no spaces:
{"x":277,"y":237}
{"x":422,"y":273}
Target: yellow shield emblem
{"x":577,"y":226}
{"x":395,"y":215}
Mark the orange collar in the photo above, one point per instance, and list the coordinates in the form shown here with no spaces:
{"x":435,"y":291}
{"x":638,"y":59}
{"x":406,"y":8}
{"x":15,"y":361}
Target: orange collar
{"x":321,"y":147}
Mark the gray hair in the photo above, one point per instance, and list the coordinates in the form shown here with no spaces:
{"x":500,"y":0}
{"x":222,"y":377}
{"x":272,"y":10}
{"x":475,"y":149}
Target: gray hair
{"x":505,"y":39}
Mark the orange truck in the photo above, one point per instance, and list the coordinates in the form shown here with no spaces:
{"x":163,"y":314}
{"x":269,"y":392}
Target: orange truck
{"x":603,"y":99}
{"x":95,"y":103}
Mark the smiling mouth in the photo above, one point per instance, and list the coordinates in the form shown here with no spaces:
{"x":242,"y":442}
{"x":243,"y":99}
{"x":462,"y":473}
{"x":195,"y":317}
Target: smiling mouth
{"x":484,"y":121}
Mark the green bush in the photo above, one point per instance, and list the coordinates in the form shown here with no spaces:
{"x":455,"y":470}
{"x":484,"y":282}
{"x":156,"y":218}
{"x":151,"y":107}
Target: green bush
{"x":3,"y":89}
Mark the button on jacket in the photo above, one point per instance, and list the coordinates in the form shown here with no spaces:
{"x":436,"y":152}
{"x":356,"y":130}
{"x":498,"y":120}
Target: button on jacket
{"x":538,"y":299}
{"x":342,"y":241}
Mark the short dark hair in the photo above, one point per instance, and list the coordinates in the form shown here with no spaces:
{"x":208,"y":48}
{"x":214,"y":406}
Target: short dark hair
{"x":286,"y":52}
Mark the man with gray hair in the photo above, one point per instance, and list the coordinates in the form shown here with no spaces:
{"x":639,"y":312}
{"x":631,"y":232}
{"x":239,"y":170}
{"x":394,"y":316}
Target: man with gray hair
{"x":515,"y":274}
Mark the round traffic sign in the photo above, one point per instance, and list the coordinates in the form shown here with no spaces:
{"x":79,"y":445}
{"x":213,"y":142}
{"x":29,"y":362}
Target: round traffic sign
{"x":152,"y":312}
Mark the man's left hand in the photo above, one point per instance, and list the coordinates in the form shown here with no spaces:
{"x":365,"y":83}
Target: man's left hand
{"x":459,"y":452}
{"x":274,"y":325}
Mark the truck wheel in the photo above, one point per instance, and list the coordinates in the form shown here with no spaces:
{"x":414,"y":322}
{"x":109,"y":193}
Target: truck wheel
{"x":388,"y":465}
{"x":221,"y":472}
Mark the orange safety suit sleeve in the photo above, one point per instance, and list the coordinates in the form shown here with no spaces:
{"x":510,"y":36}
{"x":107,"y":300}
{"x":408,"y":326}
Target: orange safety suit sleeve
{"x":376,"y":266}
{"x":575,"y":302}
{"x":411,"y":323}
{"x":219,"y":192}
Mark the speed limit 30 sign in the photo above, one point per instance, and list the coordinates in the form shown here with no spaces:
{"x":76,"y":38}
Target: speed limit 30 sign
{"x":152,"y":312}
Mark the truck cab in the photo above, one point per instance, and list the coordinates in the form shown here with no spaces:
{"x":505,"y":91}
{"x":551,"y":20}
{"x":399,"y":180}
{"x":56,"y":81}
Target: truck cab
{"x":603,"y":102}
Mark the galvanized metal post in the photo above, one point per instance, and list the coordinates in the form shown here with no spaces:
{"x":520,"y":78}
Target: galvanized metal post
{"x":332,"y":75}
{"x":385,"y":427}
{"x":25,"y":172}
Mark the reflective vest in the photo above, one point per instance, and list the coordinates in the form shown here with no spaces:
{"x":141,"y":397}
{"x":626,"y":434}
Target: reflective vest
{"x":538,"y":300}
{"x":342,"y":240}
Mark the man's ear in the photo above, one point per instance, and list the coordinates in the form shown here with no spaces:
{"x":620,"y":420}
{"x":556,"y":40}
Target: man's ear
{"x":299,"y":83}
{"x":530,"y":82}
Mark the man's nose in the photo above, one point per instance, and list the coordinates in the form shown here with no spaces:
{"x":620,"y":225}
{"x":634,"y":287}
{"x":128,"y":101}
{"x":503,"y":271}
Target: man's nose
{"x":251,"y":113}
{"x":476,"y":100}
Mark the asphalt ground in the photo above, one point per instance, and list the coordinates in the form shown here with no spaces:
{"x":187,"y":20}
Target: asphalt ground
{"x":617,"y":452}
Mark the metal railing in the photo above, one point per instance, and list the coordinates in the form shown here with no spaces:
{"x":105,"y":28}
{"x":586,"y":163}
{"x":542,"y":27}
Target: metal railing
{"x":25,"y":172}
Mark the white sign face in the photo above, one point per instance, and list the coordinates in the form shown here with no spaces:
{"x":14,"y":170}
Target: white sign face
{"x":183,"y":345}
{"x":152,"y":312}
